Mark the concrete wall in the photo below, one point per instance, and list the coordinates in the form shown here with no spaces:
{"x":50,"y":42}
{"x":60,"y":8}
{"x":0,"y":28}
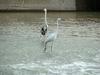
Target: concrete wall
{"x":37,"y":4}
{"x":81,"y":5}
{"x":93,"y":5}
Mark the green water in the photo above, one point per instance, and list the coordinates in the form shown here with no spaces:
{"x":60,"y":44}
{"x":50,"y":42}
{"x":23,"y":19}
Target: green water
{"x":76,"y":51}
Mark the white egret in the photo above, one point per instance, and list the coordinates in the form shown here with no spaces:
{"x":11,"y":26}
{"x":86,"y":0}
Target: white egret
{"x":50,"y":37}
{"x":44,"y":28}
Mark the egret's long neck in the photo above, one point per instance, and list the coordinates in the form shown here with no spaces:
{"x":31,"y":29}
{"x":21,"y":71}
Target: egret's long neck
{"x":57,"y":26}
{"x":46,"y":18}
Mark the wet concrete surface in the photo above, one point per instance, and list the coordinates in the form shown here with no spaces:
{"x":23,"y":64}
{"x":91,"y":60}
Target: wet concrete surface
{"x":76,"y":51}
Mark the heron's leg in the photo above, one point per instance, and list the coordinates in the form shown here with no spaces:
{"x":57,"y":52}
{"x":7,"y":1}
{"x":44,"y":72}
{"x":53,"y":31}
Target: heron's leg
{"x":52,"y":46}
{"x":41,"y":38}
{"x":45,"y":46}
{"x":45,"y":49}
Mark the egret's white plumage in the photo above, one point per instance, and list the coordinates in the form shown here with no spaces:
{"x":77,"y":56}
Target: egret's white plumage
{"x":45,"y":10}
{"x":50,"y":37}
{"x":44,"y":28}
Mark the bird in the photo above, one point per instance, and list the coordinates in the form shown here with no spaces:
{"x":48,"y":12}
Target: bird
{"x":50,"y":37}
{"x":44,"y":28}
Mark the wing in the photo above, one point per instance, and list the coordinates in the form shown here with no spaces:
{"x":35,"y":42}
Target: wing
{"x":51,"y":36}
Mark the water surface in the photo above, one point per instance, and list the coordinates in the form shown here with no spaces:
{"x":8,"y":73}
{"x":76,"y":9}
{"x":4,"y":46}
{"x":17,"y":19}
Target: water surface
{"x":76,"y":51}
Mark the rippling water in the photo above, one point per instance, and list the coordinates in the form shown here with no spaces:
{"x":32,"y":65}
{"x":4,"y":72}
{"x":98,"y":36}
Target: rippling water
{"x":76,"y":51}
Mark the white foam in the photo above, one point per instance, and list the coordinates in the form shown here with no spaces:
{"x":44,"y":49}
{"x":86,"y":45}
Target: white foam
{"x":29,"y":66}
{"x":55,"y":68}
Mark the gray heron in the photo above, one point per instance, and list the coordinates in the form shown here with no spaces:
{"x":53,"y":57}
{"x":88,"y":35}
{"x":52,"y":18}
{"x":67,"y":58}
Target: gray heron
{"x":50,"y":37}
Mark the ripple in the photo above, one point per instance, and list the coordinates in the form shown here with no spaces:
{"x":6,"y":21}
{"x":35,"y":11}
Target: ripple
{"x":47,"y":68}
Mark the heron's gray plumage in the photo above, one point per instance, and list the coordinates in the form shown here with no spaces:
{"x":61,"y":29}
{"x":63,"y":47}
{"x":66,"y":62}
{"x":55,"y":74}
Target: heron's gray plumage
{"x":50,"y":37}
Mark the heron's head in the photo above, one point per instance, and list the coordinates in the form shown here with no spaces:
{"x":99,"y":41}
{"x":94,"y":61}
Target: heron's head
{"x":45,"y":9}
{"x":58,"y":18}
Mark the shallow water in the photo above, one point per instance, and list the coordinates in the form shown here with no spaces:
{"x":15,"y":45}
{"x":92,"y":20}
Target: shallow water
{"x":76,"y":51}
